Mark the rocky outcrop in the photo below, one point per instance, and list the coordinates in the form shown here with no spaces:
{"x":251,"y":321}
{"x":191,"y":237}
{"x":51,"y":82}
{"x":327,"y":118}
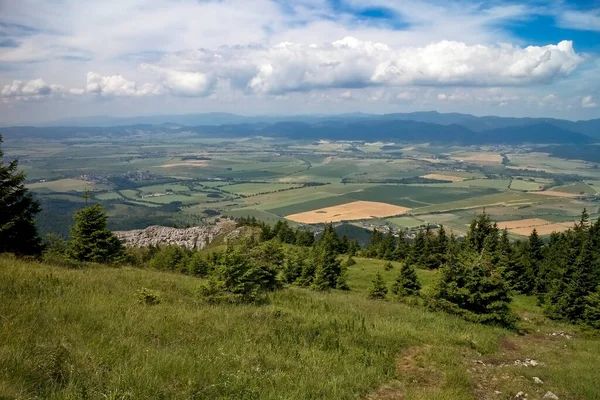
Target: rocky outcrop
{"x":197,"y":237}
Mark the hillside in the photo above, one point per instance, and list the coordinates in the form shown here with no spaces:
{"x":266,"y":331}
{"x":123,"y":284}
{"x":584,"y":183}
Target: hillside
{"x":83,"y":334}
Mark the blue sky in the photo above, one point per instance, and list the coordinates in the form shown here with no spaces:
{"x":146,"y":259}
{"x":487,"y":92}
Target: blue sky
{"x":137,"y":57}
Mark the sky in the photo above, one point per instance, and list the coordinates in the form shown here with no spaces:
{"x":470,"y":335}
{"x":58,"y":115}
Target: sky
{"x":73,"y":58}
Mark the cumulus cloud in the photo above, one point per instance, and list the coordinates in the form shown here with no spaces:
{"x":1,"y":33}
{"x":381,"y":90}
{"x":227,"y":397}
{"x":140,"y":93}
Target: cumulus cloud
{"x":183,"y":83}
{"x":116,"y":85}
{"x":351,"y":63}
{"x":588,"y":102}
{"x":33,"y":89}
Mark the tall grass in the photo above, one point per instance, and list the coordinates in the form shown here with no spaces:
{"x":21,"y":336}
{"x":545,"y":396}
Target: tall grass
{"x":74,"y":334}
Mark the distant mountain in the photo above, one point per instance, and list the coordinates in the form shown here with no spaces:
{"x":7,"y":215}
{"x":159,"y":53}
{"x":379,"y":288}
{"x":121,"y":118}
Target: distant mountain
{"x":427,"y":126}
{"x":471,"y":122}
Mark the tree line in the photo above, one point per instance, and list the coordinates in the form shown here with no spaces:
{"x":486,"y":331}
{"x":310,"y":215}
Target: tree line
{"x":480,"y":272}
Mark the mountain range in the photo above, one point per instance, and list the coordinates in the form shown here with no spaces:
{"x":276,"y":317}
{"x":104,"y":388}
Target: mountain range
{"x":429,"y":126}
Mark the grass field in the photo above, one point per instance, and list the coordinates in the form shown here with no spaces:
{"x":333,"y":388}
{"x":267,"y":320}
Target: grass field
{"x":163,"y":188}
{"x":516,"y":184}
{"x":75,"y":333}
{"x":405,"y":222}
{"x":65,"y":185}
{"x":576,"y":188}
{"x":249,"y":189}
{"x":108,"y":196}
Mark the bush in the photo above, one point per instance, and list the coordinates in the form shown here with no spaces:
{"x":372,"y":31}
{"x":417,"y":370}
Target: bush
{"x":148,"y":297}
{"x":472,"y":289}
{"x":407,"y":283}
{"x":349,"y":262}
{"x":388,"y":266}
{"x":378,"y":290}
{"x":61,"y":260}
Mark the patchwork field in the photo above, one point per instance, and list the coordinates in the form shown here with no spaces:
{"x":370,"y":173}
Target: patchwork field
{"x":524,"y":227}
{"x":64,"y":185}
{"x":479,"y":158}
{"x":144,"y":180}
{"x":439,"y":177}
{"x":348,"y":212}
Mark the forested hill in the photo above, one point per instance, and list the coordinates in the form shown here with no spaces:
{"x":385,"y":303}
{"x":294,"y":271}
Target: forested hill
{"x":454,"y":128}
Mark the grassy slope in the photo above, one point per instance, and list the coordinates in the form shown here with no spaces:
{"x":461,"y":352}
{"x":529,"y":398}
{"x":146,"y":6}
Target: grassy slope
{"x":81,"y":333}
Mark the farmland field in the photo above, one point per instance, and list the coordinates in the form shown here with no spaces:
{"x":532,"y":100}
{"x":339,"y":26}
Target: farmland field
{"x":190,"y":179}
{"x":347,"y":212}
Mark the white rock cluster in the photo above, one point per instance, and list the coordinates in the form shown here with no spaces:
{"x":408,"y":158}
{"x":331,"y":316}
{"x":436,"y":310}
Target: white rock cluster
{"x":197,"y":237}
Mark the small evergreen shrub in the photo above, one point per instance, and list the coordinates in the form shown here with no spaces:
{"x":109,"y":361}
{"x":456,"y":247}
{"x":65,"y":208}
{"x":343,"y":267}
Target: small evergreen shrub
{"x":378,"y":290}
{"x":388,"y":266}
{"x":407,"y":283}
{"x":148,"y":297}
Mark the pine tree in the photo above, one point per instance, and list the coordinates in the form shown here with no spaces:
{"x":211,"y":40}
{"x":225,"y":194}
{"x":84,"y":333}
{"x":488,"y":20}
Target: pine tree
{"x":91,"y":240}
{"x":353,"y":247}
{"x":591,"y":315}
{"x":568,"y":296}
{"x":407,"y":283}
{"x":471,"y":288}
{"x":418,"y":249}
{"x":328,"y":272}
{"x":378,"y":290}
{"x":18,"y":233}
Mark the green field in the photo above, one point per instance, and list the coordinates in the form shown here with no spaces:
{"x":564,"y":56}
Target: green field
{"x":108,"y":196}
{"x":164,"y":188}
{"x":524,"y":185}
{"x":577,"y":188}
{"x":84,"y":331}
{"x":405,"y":222}
{"x":249,"y":189}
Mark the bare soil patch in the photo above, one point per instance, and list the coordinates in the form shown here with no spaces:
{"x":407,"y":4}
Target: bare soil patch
{"x":556,"y":194}
{"x":480,"y":158}
{"x":439,"y":177}
{"x":348,"y":212}
{"x":522,"y":223}
{"x":542,"y":229}
{"x":190,"y":163}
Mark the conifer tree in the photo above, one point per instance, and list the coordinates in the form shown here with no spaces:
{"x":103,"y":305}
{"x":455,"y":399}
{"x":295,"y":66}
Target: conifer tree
{"x":91,"y":240}
{"x":353,"y":247}
{"x":568,"y":296}
{"x":378,"y":290}
{"x":471,"y":288}
{"x":418,"y":249}
{"x":328,"y":272}
{"x":18,"y":233}
{"x":591,"y":315}
{"x":407,"y":283}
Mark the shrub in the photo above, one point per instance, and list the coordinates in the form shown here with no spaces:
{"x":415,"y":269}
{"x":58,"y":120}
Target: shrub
{"x":349,"y":262}
{"x":472,"y":289}
{"x":407,"y":283}
{"x":378,"y":290}
{"x":148,"y":297}
{"x":388,"y":266}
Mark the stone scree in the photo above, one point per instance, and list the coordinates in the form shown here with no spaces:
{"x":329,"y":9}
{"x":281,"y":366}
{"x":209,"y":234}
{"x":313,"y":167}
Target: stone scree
{"x":197,"y":237}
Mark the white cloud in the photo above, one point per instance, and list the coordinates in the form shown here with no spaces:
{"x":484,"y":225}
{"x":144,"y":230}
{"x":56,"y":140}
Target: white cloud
{"x":116,"y":85}
{"x":352,"y":63}
{"x":588,"y":20}
{"x":588,"y":102}
{"x":33,"y":89}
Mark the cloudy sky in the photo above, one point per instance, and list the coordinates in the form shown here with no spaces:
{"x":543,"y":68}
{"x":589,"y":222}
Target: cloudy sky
{"x":66,"y":58}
